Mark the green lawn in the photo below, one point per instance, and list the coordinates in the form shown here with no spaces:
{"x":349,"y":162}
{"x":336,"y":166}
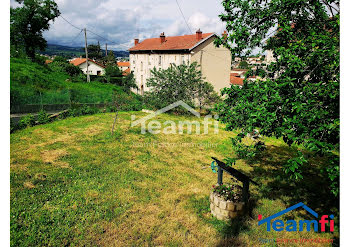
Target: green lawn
{"x":73,"y":183}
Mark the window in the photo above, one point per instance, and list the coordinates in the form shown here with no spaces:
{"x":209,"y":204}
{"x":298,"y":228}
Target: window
{"x":183,"y":59}
{"x":141,"y":66}
{"x":141,"y":84}
{"x":160,"y":60}
{"x":98,"y":72}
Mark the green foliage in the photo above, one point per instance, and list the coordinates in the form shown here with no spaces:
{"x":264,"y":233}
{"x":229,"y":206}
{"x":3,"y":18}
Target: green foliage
{"x":94,"y":51}
{"x":110,"y":58}
{"x":61,"y":64}
{"x":113,"y":74}
{"x":42,"y":117}
{"x":299,"y":98}
{"x":28,"y":21}
{"x":32,"y":83}
{"x":229,"y":192}
{"x":26,"y":121}
{"x":206,"y":95}
{"x":76,"y":111}
{"x":293,"y":166}
{"x":243,"y":65}
{"x":183,"y":82}
{"x":248,"y":150}
{"x":128,"y":82}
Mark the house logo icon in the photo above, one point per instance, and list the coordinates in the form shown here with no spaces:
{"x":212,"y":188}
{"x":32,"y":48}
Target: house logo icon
{"x":292,"y":225}
{"x":171,"y":127}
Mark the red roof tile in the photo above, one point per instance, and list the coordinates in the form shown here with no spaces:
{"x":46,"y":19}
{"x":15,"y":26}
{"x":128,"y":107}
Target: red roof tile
{"x":78,"y":61}
{"x":234,"y":74}
{"x":126,"y":72}
{"x":171,"y":43}
{"x":236,"y":80}
{"x":123,"y":64}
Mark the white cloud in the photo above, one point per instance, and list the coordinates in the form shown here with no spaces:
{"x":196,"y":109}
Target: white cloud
{"x":121,"y":21}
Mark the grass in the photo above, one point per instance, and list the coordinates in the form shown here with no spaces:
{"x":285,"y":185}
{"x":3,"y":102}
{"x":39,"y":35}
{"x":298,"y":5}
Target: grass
{"x":28,"y":77}
{"x":74,"y":183}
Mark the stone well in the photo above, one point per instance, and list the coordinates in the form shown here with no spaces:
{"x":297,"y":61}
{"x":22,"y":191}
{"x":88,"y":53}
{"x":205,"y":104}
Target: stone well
{"x":224,"y":210}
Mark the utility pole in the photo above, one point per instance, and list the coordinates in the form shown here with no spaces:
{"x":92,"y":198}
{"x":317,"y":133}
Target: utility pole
{"x":86,"y":55}
{"x":106,"y":50}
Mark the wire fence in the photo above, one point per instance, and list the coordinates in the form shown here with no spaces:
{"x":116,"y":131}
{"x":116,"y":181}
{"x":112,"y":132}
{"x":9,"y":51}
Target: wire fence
{"x":51,"y":101}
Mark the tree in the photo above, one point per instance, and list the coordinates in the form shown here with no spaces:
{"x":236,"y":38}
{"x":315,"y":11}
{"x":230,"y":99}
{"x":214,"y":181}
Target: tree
{"x":174,"y":83}
{"x":243,"y":65}
{"x":183,"y":82}
{"x":94,"y":51}
{"x":28,"y":22}
{"x":110,"y":58}
{"x":206,"y":95}
{"x":128,"y":82}
{"x":113,"y":74}
{"x":299,"y":98}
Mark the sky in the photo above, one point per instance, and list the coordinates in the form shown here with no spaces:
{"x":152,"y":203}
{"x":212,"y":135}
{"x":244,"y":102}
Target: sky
{"x":121,"y":21}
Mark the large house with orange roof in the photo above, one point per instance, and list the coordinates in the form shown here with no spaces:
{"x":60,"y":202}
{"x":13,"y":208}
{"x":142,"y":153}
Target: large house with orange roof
{"x":214,"y":62}
{"x":94,"y":67}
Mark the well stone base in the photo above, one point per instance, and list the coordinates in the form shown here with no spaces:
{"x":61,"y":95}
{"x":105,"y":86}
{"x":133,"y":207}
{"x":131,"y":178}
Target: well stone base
{"x":224,"y":210}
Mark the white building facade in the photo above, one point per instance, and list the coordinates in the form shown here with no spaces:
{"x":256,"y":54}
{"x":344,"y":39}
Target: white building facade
{"x":94,"y":68}
{"x":214,"y":62}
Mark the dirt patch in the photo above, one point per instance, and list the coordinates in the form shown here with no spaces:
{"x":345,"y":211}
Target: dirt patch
{"x":93,"y":130}
{"x":52,"y":156}
{"x":29,"y":185}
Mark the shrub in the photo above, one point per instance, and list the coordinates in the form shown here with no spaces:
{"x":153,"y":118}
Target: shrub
{"x":26,"y":121}
{"x":42,"y":118}
{"x":229,"y":192}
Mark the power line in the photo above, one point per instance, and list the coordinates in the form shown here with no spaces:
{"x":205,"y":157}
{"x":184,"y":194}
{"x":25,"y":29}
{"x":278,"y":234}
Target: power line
{"x":81,"y":29}
{"x":183,"y":16}
{"x":77,"y":35}
{"x":70,"y":23}
{"x":105,"y":38}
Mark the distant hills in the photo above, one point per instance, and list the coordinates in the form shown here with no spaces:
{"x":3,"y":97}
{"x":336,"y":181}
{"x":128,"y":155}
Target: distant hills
{"x":62,"y":50}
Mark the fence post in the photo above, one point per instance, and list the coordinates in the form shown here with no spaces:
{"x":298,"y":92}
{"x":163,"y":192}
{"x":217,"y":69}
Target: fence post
{"x":220,"y":172}
{"x":41,"y":102}
{"x":245,"y":192}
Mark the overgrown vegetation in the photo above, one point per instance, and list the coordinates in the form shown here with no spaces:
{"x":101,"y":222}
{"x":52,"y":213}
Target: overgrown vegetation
{"x":299,"y":98}
{"x":32,"y":83}
{"x":182,"y":82}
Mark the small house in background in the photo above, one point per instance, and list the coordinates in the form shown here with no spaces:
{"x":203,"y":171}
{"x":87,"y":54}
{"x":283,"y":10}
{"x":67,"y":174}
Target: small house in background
{"x":235,"y":79}
{"x":238,"y":72}
{"x":126,"y":72}
{"x":47,"y":61}
{"x":94,"y":67}
{"x":123,"y":65}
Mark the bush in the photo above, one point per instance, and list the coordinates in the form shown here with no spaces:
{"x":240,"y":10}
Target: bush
{"x":183,"y":82}
{"x":42,"y":118}
{"x":26,"y":121}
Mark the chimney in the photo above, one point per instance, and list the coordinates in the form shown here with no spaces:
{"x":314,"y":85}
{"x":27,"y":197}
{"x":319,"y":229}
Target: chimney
{"x":224,"y":35}
{"x":136,"y":41}
{"x":199,"y":34}
{"x":162,"y":37}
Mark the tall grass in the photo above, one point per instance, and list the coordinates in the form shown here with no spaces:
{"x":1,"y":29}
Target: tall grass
{"x":32,"y":83}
